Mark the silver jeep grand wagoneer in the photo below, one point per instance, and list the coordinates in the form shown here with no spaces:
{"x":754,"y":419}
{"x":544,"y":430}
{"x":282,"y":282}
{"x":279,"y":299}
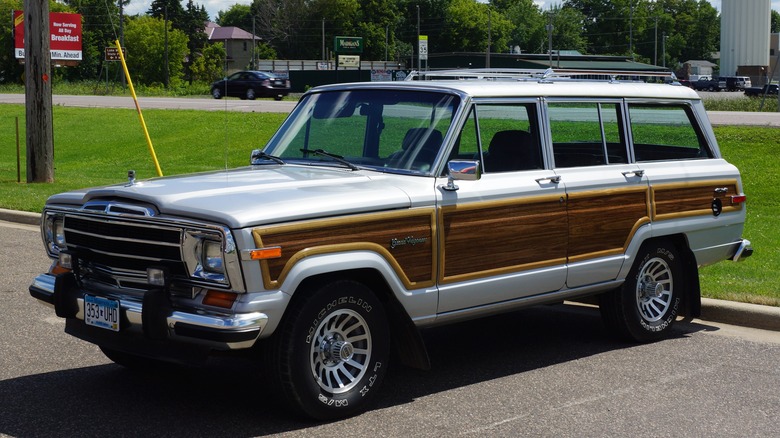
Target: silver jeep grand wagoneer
{"x":380,"y":209}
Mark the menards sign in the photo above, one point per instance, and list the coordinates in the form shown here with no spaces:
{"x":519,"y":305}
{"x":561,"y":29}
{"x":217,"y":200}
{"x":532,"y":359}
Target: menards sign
{"x":64,"y":36}
{"x":348,"y":45}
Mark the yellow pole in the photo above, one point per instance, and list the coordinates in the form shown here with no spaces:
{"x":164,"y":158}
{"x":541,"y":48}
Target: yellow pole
{"x":138,"y":108}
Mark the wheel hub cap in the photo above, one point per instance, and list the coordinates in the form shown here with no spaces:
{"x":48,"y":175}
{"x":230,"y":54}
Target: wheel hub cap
{"x":336,"y":351}
{"x":652,"y":289}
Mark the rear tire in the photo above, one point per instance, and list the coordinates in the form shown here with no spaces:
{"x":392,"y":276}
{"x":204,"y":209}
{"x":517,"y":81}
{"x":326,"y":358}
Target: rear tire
{"x":646,"y":306}
{"x":330,"y":354}
{"x":216,"y":93}
{"x":250,"y":94}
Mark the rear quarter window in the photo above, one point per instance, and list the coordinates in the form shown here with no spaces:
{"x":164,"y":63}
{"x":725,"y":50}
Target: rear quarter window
{"x":666,"y":132}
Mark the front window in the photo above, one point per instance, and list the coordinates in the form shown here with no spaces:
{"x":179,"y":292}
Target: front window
{"x":383,"y":129}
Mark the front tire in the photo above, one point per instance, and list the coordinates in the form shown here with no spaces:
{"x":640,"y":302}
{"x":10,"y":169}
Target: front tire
{"x":330,"y":355}
{"x":646,"y":306}
{"x":250,"y":94}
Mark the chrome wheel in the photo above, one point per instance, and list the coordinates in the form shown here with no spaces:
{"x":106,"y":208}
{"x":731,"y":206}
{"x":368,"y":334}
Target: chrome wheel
{"x":654,"y":290}
{"x":340,"y":351}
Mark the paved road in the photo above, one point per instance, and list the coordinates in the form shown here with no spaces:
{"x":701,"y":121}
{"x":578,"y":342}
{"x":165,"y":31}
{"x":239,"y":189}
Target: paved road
{"x":267,"y":105}
{"x":549,"y":371}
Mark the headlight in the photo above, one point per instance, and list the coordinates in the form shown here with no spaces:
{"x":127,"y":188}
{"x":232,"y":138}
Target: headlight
{"x":54,"y":234}
{"x":212,"y":257}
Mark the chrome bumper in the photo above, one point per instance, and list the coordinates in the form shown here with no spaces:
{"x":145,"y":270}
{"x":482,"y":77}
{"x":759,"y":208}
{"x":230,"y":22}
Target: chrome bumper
{"x":744,"y":250}
{"x":222,"y":332}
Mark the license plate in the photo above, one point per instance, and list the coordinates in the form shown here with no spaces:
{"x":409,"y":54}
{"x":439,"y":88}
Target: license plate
{"x":101,"y":312}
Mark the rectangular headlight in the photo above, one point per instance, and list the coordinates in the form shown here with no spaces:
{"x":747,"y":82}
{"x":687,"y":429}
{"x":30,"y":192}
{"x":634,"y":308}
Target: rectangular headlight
{"x":212,"y":257}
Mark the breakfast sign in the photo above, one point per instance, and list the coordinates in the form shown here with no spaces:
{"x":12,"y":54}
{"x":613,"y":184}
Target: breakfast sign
{"x":64,"y":36}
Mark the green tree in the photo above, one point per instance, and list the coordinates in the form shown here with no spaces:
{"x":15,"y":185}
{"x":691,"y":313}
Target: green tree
{"x":528,"y":22}
{"x":471,"y":23}
{"x":237,"y":15}
{"x":100,"y":29}
{"x":210,"y":64}
{"x":775,"y":22}
{"x":567,"y":32}
{"x":195,"y":18}
{"x":172,"y":9}
{"x":145,"y":42}
{"x":284,"y":25}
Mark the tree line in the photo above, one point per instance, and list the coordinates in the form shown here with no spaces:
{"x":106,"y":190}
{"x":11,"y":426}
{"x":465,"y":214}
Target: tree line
{"x":661,"y":32}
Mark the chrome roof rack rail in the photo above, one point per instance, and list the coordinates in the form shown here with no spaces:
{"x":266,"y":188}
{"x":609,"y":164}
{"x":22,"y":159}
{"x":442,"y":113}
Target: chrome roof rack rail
{"x":544,"y":75}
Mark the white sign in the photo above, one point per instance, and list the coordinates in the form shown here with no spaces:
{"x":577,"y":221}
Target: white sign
{"x":422,"y":46}
{"x":349,"y":61}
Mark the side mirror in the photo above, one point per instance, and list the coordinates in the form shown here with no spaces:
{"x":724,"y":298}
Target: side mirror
{"x":462,"y":170}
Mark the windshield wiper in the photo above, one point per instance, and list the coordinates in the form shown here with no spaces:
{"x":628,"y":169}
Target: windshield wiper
{"x":334,"y":157}
{"x":260,"y":155}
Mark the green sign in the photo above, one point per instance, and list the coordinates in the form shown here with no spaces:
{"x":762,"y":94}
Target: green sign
{"x":348,"y":45}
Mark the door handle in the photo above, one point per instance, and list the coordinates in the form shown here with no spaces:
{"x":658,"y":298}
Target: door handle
{"x":637,"y":173}
{"x":555,"y":179}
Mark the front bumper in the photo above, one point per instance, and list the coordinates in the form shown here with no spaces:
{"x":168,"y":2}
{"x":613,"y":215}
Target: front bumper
{"x":154,"y":318}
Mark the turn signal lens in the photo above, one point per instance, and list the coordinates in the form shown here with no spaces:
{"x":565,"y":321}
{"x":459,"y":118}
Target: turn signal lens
{"x":219,"y":299}
{"x":273,"y":252}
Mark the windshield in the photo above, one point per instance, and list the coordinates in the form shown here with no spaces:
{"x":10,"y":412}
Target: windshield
{"x":390,"y":130}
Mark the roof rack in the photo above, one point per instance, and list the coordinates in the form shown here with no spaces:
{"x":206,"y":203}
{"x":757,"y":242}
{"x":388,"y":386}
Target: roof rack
{"x":549,"y":74}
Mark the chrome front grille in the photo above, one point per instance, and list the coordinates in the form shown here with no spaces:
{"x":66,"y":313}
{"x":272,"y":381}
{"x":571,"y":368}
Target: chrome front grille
{"x":122,"y":250}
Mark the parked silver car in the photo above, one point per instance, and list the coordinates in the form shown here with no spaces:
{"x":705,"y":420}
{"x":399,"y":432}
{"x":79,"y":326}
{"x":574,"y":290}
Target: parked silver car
{"x":381,"y":209}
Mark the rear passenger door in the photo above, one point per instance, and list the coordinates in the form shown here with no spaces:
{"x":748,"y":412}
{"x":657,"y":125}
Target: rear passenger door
{"x":606,"y":195}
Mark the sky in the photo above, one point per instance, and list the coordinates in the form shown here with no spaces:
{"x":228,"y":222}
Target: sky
{"x":214,"y":6}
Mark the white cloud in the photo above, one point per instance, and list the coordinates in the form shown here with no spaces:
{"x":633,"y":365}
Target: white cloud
{"x":212,"y":6}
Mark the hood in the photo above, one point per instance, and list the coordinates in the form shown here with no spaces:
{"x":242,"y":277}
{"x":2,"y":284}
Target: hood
{"x":255,"y":195}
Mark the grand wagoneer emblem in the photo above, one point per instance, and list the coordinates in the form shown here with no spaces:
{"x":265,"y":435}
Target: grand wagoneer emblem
{"x":409,"y":240}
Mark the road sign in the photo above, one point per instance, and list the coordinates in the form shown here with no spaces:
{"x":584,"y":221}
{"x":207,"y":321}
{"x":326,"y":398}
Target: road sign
{"x":112,"y":54}
{"x":423,"y":47}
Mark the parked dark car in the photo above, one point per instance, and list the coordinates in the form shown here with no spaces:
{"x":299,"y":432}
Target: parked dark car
{"x":706,"y":84}
{"x":734,"y":83}
{"x":251,"y":84}
{"x":770,"y":89}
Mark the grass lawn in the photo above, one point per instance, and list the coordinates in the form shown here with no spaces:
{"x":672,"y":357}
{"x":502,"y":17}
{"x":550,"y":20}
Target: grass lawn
{"x":98,"y":146}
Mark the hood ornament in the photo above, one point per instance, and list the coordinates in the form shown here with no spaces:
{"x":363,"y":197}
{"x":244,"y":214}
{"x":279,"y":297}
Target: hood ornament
{"x":130,"y":178}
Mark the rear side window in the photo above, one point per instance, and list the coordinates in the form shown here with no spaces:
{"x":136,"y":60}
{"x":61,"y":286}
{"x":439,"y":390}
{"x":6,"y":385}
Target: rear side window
{"x":586,"y":134}
{"x":666,"y":132}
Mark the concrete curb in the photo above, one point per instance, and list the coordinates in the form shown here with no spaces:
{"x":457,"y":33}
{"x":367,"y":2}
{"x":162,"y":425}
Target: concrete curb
{"x":742,"y":314}
{"x":20,"y":217}
{"x":727,"y":312}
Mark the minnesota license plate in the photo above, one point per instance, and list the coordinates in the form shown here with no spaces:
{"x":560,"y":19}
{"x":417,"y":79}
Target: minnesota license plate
{"x":101,"y":312}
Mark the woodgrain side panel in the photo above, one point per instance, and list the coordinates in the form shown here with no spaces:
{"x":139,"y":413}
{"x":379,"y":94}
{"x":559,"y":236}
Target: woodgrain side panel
{"x":603,"y":222}
{"x":405,"y":239}
{"x":688,"y":199}
{"x":510,"y":235}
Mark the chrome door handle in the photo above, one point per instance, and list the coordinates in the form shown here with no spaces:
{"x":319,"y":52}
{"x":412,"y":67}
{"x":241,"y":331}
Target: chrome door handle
{"x":555,"y":179}
{"x":637,"y":173}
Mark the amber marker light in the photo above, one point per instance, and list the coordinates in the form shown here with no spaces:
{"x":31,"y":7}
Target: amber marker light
{"x":273,"y":252}
{"x":219,"y":299}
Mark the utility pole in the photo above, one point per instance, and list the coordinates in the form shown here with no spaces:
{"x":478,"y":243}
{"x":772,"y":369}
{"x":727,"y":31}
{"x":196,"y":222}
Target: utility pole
{"x":419,"y":60}
{"x":549,"y":37}
{"x":487,"y":58}
{"x":167,"y":72}
{"x":37,"y":92}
